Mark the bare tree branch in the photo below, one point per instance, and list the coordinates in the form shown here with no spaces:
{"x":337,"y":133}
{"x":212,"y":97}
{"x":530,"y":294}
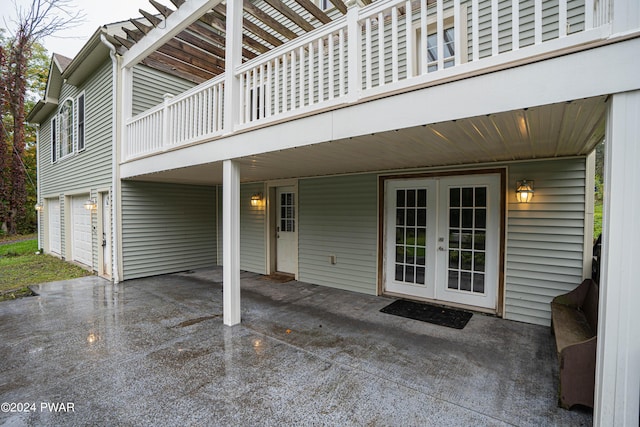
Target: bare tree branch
{"x":45,"y":18}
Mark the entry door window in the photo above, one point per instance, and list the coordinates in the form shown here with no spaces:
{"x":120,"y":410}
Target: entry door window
{"x":287,"y":212}
{"x":467,"y":237}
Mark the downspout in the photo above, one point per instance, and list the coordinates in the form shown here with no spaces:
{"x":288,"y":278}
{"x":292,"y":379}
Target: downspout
{"x":115,"y":273}
{"x":38,"y":192}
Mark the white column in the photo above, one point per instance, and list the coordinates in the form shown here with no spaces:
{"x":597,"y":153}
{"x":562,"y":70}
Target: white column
{"x":231,"y":242}
{"x":233,"y":59}
{"x":617,"y":391}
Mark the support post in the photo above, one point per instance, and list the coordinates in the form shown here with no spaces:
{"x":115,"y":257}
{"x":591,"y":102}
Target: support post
{"x":617,"y":392}
{"x":231,"y":242}
{"x":233,"y":59}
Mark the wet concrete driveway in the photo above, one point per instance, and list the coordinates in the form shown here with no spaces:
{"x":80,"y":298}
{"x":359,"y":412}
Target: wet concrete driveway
{"x":155,"y":352}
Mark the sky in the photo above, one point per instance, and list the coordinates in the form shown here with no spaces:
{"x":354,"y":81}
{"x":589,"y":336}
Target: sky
{"x":97,"y":13}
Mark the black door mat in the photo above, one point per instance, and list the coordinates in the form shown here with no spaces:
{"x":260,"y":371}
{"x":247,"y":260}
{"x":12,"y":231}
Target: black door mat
{"x":429,"y":313}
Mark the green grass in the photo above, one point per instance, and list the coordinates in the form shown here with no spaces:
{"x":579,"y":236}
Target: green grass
{"x":597,"y":219}
{"x":21,"y":267}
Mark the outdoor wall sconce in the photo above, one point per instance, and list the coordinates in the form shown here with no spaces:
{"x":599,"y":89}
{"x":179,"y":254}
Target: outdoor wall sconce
{"x":90,"y":205}
{"x":256,"y":199}
{"x":524,"y":191}
{"x":38,"y":206}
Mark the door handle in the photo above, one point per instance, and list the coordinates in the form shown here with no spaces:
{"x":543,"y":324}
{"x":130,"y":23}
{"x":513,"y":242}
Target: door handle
{"x":440,"y":248}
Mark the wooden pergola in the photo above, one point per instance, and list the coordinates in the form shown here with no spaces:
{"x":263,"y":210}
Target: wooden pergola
{"x":197,"y":53}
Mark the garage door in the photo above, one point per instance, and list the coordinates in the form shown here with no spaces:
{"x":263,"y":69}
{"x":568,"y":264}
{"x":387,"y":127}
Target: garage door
{"x":81,"y":231}
{"x":53,"y":215}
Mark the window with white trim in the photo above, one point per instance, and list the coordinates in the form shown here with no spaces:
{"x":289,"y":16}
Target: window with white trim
{"x":448,"y":36}
{"x":80,"y":126}
{"x":66,"y":128}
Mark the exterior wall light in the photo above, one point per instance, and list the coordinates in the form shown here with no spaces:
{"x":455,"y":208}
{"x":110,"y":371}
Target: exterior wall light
{"x":38,"y":206}
{"x":90,"y":205}
{"x":524,"y":191}
{"x":256,"y":199}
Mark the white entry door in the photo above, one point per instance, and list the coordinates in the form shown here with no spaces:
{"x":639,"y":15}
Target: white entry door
{"x":106,"y":236}
{"x":442,"y":238}
{"x":81,"y":231}
{"x":286,"y":230}
{"x":53,"y":213}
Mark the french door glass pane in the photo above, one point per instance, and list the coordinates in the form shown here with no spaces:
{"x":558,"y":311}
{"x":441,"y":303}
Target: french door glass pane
{"x":411,"y":235}
{"x":467,"y":234}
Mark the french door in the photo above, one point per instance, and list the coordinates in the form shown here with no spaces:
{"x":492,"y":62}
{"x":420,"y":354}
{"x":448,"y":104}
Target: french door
{"x":441,"y":238}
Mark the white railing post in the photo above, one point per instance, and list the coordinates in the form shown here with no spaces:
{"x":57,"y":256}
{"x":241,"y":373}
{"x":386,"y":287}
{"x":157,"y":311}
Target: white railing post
{"x":354,"y":66}
{"x":588,"y":14}
{"x":233,"y":59}
{"x":166,"y":121}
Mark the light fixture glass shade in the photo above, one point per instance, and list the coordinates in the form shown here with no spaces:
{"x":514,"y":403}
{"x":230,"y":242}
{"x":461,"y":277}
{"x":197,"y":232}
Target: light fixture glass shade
{"x":38,"y":206}
{"x":524,"y":191}
{"x":256,"y":199}
{"x":90,"y":204}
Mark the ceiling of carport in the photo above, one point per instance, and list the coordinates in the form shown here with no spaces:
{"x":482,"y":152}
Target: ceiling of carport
{"x":551,"y":131}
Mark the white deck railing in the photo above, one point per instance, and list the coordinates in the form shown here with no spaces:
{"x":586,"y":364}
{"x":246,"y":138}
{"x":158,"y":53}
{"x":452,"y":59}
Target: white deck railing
{"x":191,"y":116}
{"x":370,"y":52}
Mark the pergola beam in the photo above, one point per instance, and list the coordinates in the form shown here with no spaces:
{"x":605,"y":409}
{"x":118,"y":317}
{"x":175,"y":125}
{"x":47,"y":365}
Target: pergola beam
{"x":174,"y":24}
{"x":269,"y":21}
{"x":290,"y":14}
{"x":314,"y":10}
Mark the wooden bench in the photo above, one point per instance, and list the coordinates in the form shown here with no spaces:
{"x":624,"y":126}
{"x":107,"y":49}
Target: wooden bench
{"x":574,"y":322}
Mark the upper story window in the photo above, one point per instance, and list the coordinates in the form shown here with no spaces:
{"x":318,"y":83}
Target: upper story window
{"x":80,"y":107}
{"x":66,"y":128}
{"x":448,"y":46}
{"x":324,"y":4}
{"x":449,"y":49}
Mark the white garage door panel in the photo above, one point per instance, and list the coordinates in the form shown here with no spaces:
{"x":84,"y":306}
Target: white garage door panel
{"x":81,"y":231}
{"x":54,"y":226}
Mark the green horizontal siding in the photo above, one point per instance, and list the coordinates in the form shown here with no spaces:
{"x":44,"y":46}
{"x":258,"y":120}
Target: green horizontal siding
{"x":545,"y":240}
{"x":150,"y":86}
{"x":338,"y":216}
{"x":252,"y":231}
{"x":167,"y":228}
{"x":87,"y":170}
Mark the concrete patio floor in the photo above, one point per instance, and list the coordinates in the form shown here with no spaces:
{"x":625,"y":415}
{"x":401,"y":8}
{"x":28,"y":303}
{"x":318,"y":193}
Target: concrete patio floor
{"x":154,"y":351}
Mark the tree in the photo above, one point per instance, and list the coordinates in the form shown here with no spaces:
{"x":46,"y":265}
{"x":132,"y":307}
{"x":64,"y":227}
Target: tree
{"x":43,"y":18}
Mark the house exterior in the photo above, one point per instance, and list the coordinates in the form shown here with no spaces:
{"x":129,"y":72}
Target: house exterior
{"x":377,"y":148}
{"x":76,"y":156}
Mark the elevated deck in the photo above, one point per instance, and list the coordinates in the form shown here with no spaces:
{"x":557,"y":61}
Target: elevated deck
{"x":366,"y":73}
